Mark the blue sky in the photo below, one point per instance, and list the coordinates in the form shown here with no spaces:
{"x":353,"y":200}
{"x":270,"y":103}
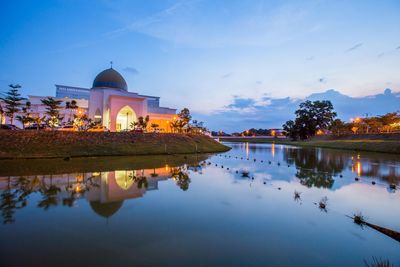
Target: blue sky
{"x":207,"y":55}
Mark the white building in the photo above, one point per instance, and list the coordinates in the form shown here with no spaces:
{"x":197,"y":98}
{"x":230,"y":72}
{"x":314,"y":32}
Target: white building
{"x":107,"y":102}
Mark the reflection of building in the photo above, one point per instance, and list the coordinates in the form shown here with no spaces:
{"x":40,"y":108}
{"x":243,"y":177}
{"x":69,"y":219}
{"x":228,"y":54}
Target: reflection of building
{"x":109,"y":103}
{"x":106,"y":191}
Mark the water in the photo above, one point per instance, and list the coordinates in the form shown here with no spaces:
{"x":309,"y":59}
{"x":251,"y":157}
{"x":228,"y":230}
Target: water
{"x":191,"y":211}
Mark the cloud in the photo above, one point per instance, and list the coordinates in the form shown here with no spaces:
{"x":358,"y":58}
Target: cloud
{"x":259,"y":82}
{"x":267,"y":112}
{"x":354,"y":47}
{"x":253,"y":24}
{"x":398,"y":47}
{"x":310,"y":58}
{"x":227,"y":75}
{"x":241,"y":103}
{"x":131,"y":70}
{"x":380,"y":55}
{"x":322,"y":80}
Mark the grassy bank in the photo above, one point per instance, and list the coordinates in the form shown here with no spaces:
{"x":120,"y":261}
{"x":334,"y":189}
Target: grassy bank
{"x":48,"y":144}
{"x":374,"y":145}
{"x":42,"y":166}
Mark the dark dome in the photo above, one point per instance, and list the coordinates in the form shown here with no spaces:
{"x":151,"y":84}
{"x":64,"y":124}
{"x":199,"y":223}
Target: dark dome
{"x":110,"y":78}
{"x":106,"y":210}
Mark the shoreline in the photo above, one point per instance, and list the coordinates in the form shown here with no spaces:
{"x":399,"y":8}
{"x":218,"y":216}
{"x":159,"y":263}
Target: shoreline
{"x":377,"y":146}
{"x":67,"y":145}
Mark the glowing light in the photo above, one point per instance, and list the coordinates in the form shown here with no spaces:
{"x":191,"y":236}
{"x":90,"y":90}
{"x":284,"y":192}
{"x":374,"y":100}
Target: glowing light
{"x":359,"y":168}
{"x":273,"y":150}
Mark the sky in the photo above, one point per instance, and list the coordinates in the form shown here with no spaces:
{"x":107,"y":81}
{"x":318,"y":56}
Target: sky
{"x":230,"y":62}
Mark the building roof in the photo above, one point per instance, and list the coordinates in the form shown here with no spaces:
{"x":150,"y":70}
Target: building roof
{"x":110,"y":78}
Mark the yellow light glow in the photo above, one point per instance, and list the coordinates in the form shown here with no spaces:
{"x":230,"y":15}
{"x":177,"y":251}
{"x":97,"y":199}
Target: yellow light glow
{"x":359,"y":168}
{"x":273,"y":150}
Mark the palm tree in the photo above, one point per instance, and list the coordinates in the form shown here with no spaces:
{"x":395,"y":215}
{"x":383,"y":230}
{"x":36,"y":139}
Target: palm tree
{"x":71,"y":106}
{"x":154,"y":126}
{"x":26,"y":118}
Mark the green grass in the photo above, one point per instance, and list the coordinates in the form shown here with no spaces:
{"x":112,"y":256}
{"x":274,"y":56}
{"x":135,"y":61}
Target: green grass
{"x":47,"y":144}
{"x":20,"y":167}
{"x":385,"y":146}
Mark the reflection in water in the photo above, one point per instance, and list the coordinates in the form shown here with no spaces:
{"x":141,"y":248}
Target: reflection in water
{"x":105,"y":191}
{"x":314,"y":167}
{"x":241,"y":210}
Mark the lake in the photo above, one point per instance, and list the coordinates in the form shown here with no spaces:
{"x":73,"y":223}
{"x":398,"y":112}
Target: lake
{"x":256,"y":205}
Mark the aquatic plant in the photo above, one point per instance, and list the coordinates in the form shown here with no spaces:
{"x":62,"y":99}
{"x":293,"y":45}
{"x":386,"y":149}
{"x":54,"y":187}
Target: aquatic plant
{"x":297,"y":196}
{"x":359,"y":218}
{"x":245,"y":173}
{"x":323,"y":203}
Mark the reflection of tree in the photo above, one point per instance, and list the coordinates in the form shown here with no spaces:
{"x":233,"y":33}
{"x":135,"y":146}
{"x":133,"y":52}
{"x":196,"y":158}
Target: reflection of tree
{"x":180,"y":175}
{"x":49,"y":193}
{"x":141,"y":181}
{"x":17,"y":198}
{"x":8,"y":205}
{"x":315,"y":167}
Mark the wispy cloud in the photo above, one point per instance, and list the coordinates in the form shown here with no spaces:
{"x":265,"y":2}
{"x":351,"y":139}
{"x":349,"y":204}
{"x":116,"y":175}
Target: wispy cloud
{"x":357,"y":46}
{"x":322,"y":80}
{"x":380,"y":55}
{"x":226,"y":75}
{"x":310,"y":58}
{"x":259,"y":25}
{"x":131,"y":70}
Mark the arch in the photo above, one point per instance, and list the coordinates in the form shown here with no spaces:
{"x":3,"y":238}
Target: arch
{"x":125,"y":179}
{"x":125,"y":117}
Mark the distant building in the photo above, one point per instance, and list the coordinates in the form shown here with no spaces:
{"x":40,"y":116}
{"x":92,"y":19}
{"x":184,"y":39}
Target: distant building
{"x":64,"y":91}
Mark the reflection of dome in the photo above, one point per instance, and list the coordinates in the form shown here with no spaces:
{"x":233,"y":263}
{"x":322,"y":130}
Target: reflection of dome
{"x":106,"y":210}
{"x":124,"y":179}
{"x":110,"y":78}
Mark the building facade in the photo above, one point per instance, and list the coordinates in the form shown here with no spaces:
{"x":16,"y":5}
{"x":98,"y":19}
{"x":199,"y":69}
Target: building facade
{"x":109,"y":103}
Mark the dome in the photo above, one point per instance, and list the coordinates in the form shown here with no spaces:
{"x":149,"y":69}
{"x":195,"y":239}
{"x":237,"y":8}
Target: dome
{"x":110,"y":78}
{"x":106,"y":210}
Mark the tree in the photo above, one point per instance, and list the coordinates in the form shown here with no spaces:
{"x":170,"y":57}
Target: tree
{"x":154,"y":126}
{"x":310,"y":117}
{"x":37,"y":120}
{"x":141,"y":123}
{"x":184,"y":118}
{"x":71,"y":106}
{"x":26,"y":117}
{"x":184,"y":115}
{"x":53,"y":107}
{"x":290,"y":129}
{"x":12,"y":101}
{"x":389,"y":119}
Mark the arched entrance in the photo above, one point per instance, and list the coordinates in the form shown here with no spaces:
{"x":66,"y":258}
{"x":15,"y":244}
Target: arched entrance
{"x":124,"y":119}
